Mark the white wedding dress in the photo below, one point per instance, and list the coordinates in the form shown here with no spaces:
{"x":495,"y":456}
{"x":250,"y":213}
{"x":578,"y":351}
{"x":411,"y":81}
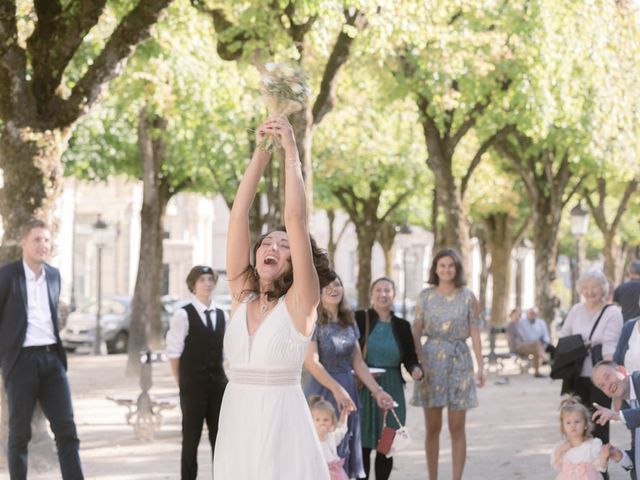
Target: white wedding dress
{"x":265,"y":430}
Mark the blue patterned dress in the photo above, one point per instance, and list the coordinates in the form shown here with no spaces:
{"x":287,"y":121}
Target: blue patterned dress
{"x":336,"y":345}
{"x":448,"y":364}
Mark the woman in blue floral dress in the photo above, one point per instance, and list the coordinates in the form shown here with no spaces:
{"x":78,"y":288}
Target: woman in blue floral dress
{"x":447,"y":313}
{"x":333,"y":353}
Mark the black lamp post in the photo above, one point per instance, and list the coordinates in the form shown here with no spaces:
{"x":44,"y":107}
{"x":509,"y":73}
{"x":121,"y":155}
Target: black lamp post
{"x":99,"y":231}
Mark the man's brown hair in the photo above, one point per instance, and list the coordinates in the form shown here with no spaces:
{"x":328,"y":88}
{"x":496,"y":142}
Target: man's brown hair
{"x":31,"y":225}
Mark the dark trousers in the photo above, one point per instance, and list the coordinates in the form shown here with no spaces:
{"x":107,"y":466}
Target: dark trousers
{"x":199,"y":403}
{"x":38,"y":376}
{"x":589,"y":393}
{"x":382,"y":466}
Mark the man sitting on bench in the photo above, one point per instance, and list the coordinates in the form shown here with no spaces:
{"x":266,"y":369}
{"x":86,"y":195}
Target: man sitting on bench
{"x":519,"y":346}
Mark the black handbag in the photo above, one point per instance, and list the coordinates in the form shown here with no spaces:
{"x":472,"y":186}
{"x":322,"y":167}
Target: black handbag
{"x":570,"y":354}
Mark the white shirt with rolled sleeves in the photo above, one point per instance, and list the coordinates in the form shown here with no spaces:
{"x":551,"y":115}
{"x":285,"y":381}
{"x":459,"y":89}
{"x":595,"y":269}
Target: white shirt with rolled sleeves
{"x":579,"y":321}
{"x":39,"y":320}
{"x":179,"y":326}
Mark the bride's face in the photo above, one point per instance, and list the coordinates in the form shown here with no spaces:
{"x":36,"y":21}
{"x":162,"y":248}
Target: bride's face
{"x":273,"y":257}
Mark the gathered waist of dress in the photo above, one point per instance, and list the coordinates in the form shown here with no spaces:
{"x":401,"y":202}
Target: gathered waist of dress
{"x":338,"y":371}
{"x":265,"y":377}
{"x":432,"y":338}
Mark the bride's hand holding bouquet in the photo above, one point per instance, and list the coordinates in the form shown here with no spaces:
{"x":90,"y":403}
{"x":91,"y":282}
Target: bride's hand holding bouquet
{"x":285,"y":91}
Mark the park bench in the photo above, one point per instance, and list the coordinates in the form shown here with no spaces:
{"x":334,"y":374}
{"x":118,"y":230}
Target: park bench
{"x":144,"y":411}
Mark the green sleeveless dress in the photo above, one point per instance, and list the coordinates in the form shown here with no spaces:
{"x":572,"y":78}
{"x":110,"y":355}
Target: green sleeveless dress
{"x":382,"y":352}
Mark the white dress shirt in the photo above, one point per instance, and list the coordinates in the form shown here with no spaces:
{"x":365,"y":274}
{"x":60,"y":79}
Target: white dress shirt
{"x":179,"y":326}
{"x":39,"y":320}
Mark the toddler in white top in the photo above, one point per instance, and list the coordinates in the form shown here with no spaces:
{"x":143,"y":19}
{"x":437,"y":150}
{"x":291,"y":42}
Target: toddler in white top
{"x":330,"y":432}
{"x":581,"y":457}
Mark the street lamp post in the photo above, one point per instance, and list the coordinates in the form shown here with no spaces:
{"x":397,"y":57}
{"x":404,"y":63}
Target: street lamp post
{"x":99,"y":229}
{"x":579,"y":227}
{"x":404,"y":230}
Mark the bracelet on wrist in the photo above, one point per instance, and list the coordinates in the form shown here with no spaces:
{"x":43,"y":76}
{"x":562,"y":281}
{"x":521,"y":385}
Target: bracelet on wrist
{"x":377,"y":390}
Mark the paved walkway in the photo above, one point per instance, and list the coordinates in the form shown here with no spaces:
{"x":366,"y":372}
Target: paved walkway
{"x":510,"y":435}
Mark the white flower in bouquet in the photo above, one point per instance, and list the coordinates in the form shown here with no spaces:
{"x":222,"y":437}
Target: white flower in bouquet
{"x":284,"y":91}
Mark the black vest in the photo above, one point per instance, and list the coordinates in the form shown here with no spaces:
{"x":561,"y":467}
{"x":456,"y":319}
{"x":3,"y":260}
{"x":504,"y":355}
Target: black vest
{"x":201,"y":360}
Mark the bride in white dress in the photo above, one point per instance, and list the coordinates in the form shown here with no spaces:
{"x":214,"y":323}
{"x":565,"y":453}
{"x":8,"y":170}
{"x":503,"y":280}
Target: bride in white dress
{"x":265,"y":429}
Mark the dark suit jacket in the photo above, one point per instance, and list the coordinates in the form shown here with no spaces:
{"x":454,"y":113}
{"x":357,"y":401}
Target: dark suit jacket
{"x":623,"y":341}
{"x":632,"y":420}
{"x":13,"y":312}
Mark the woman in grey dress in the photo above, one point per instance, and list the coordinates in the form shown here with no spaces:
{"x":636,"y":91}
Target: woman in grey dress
{"x":332,"y":353}
{"x":447,"y":313}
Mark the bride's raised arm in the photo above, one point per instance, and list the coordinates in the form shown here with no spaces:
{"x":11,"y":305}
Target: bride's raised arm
{"x":238,"y":241}
{"x":304,"y":295}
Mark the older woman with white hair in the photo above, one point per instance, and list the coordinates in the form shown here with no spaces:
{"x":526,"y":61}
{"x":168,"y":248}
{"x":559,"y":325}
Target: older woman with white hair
{"x":581,"y":319}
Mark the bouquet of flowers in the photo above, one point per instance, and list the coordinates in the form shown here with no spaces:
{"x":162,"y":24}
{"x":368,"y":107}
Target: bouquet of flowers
{"x":284,"y":91}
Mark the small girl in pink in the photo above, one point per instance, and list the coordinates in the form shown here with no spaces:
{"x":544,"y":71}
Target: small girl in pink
{"x":581,"y":457}
{"x":330,"y":432}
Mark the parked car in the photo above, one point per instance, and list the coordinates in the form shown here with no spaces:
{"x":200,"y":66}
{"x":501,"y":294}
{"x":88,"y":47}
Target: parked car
{"x":115,"y":321}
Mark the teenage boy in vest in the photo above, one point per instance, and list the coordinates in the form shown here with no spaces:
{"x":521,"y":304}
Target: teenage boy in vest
{"x":194,"y":348}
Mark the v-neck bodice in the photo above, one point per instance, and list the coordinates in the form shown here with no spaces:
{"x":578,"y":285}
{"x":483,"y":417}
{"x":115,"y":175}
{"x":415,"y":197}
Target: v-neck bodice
{"x":276,"y":344}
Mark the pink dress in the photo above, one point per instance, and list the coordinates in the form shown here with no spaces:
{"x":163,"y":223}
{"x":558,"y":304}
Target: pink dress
{"x":581,"y":462}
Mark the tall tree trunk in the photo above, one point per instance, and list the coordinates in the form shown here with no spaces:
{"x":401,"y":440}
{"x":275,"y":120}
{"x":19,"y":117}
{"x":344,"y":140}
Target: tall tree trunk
{"x":611,"y":254}
{"x":500,"y":233}
{"x":546,"y":223}
{"x":32,"y":174}
{"x":455,"y":231}
{"x":366,"y":240}
{"x":484,"y":269}
{"x":386,"y":238}
{"x":435,"y":227}
{"x":146,"y":308}
{"x":302,"y":123}
{"x":442,"y":141}
{"x":332,"y":243}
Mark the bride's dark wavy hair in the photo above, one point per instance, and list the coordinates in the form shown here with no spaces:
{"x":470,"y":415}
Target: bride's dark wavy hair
{"x":282,"y":284}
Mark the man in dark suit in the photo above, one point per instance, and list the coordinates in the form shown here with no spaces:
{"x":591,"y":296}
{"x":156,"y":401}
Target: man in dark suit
{"x":194,"y":348}
{"x":32,"y":359}
{"x":624,"y":389}
{"x":627,"y":295}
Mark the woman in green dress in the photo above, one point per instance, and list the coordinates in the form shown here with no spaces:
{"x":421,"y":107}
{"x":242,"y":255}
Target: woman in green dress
{"x":447,"y":313}
{"x":386,"y":342}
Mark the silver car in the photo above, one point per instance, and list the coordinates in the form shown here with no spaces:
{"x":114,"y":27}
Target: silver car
{"x":115,"y":321}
